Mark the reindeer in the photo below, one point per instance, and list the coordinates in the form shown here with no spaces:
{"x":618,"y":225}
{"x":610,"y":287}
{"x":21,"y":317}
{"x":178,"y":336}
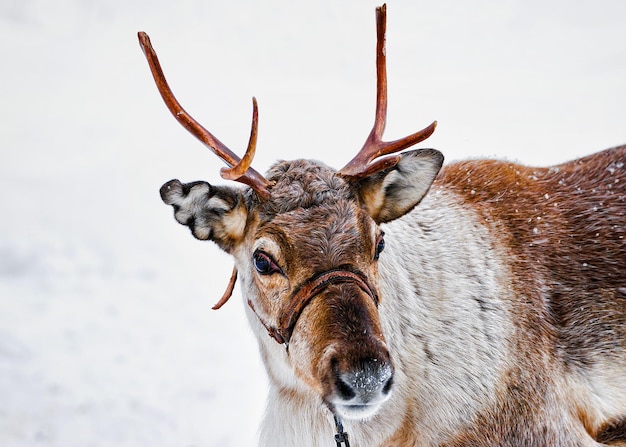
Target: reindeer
{"x":399,"y":303}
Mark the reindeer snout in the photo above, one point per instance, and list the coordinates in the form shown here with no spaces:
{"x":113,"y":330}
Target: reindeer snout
{"x":365,"y":383}
{"x":361,"y":389}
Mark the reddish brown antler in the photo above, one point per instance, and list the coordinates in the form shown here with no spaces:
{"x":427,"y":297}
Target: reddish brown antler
{"x":229,"y":290}
{"x":374,"y":147}
{"x":239,"y":169}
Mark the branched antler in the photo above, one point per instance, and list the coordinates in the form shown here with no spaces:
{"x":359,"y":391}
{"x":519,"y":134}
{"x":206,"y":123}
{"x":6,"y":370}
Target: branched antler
{"x":239,"y":169}
{"x":365,"y":163}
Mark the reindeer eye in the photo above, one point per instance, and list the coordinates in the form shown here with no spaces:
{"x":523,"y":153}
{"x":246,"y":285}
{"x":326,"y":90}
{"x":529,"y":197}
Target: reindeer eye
{"x":264,"y":264}
{"x":380,"y":246}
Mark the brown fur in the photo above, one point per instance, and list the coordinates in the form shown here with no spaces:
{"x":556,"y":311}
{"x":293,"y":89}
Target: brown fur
{"x":564,"y":228}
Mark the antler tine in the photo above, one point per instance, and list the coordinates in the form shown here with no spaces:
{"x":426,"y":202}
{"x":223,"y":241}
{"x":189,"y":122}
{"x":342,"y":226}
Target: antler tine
{"x":361,"y":165}
{"x":239,"y":169}
{"x":242,"y":167}
{"x":229,"y":290}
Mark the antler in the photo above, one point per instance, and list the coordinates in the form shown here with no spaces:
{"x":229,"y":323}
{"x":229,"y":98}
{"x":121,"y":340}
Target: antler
{"x":239,"y":169}
{"x":229,"y":290}
{"x":375,"y":147}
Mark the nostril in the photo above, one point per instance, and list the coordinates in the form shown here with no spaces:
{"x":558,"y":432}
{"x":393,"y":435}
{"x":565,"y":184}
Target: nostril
{"x":344,"y":390}
{"x":388,"y":385}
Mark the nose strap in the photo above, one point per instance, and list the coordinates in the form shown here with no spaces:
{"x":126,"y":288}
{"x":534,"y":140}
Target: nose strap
{"x":308,"y":290}
{"x":313,"y":287}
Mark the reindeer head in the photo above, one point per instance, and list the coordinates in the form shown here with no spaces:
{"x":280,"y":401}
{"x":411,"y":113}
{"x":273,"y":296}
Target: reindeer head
{"x":306,"y":240}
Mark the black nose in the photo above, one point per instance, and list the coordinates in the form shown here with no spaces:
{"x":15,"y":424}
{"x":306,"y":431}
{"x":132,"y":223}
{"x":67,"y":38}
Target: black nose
{"x":369,"y":381}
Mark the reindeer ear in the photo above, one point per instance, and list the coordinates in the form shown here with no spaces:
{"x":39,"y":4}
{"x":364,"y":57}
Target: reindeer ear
{"x":216,"y":213}
{"x":392,"y":193}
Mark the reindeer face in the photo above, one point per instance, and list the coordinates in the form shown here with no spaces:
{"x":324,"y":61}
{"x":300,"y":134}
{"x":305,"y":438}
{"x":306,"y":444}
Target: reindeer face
{"x":314,"y":277}
{"x":308,"y":260}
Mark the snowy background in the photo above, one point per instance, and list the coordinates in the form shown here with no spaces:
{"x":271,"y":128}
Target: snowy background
{"x":106,"y":332}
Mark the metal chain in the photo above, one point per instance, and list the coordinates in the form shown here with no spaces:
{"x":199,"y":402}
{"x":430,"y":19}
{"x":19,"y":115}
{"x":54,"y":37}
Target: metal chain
{"x":341,"y":437}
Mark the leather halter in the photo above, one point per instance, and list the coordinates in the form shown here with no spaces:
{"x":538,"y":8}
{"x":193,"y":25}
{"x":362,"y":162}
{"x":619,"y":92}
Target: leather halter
{"x":303,"y":295}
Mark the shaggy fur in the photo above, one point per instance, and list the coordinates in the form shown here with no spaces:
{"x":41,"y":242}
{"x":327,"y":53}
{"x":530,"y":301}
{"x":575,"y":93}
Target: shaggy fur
{"x":502,"y":311}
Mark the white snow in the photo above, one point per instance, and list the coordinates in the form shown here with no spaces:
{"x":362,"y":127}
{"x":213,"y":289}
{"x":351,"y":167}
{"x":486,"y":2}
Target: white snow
{"x":106,"y":333}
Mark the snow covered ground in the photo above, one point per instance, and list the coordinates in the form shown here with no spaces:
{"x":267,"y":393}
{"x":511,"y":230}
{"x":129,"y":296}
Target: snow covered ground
{"x":106,"y":332}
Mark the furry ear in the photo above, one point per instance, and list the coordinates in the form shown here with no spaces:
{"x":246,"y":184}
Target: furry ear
{"x":392,"y":193}
{"x":216,"y":213}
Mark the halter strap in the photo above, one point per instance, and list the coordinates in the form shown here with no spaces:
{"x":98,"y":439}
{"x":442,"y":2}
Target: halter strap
{"x":303,"y":295}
